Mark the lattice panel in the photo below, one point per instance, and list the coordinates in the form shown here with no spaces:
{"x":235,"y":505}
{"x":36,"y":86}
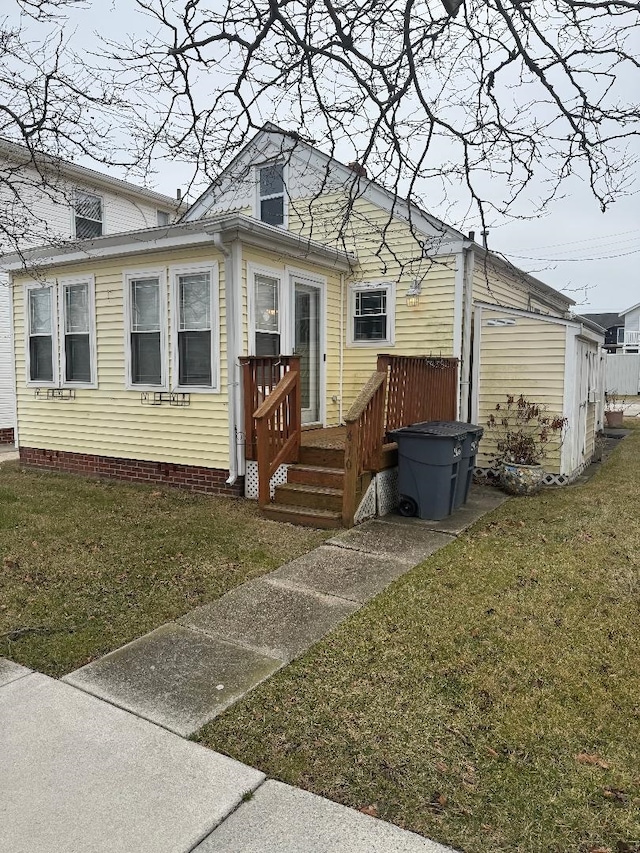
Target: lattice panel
{"x":251,"y":480}
{"x":387,"y":490}
{"x":489,"y":475}
{"x":367,"y":508}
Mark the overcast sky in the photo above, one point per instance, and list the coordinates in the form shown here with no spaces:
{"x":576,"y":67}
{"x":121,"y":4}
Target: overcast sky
{"x":593,"y":256}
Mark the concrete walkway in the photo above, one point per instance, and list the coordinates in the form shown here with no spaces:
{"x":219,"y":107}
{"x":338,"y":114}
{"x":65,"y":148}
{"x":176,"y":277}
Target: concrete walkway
{"x":93,"y":763}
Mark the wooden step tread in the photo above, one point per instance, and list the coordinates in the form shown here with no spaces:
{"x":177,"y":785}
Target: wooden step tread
{"x":305,"y":516}
{"x":316,"y":469}
{"x":311,"y":489}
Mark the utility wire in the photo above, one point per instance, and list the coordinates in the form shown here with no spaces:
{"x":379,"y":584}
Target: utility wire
{"x":574,"y":260}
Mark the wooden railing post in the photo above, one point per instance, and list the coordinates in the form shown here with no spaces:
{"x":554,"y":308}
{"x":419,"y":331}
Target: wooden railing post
{"x":351,"y":472}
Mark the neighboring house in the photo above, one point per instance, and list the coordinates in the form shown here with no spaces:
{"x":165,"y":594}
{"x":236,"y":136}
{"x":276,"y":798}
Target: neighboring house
{"x":190,"y":354}
{"x":52,"y":201}
{"x":631,"y":338}
{"x":614,"y":329}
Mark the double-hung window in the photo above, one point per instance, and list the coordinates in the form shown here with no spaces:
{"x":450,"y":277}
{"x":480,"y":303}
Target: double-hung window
{"x":41,"y":334}
{"x":195,"y":328}
{"x":266,"y":309}
{"x":372,"y":314}
{"x":145,"y":295}
{"x":271,"y":191}
{"x":61,"y":347}
{"x":88,"y":215}
{"x":77,"y":344}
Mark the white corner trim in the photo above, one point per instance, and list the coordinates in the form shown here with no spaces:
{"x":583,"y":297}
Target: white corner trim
{"x":475,"y":391}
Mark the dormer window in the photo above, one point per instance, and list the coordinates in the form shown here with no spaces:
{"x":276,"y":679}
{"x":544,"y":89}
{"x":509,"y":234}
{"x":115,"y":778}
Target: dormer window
{"x":271,"y":194}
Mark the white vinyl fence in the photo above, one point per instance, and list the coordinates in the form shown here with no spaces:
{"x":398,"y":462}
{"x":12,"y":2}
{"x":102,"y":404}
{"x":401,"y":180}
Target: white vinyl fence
{"x":622,"y":373}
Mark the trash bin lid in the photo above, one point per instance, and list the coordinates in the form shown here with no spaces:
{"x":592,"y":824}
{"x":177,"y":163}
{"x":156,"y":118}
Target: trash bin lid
{"x":434,"y":429}
{"x":463,"y":425}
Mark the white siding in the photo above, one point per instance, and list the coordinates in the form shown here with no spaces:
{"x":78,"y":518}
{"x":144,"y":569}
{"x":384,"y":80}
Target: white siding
{"x":44,"y":215}
{"x":7,"y":408}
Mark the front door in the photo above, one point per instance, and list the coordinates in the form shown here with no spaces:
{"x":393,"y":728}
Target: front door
{"x":307,"y":344}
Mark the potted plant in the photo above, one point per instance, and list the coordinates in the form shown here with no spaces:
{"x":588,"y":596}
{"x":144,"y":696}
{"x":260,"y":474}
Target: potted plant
{"x":614,"y":406}
{"x":523,"y":431}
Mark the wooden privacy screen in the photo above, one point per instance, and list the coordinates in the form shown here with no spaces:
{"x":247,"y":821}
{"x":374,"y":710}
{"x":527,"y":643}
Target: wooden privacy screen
{"x":419,"y":388}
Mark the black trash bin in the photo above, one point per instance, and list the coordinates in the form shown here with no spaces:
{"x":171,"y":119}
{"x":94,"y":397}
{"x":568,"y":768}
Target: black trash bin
{"x":429,"y":456}
{"x":468,"y":459}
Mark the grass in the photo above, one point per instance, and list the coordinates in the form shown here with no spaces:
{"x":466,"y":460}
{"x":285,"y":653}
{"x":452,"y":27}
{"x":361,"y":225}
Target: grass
{"x":86,"y":565}
{"x":490,"y":699}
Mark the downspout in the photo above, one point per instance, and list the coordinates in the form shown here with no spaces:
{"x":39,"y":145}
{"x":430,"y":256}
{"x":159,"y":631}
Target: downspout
{"x":231,"y":352}
{"x":467,"y":289}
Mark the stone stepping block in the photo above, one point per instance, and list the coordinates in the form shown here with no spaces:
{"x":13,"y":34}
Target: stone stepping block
{"x":177,"y":678}
{"x":282,"y":819}
{"x":379,"y":538}
{"x":81,"y":776}
{"x":270,"y":617}
{"x":10,"y":671}
{"x":341,"y":572}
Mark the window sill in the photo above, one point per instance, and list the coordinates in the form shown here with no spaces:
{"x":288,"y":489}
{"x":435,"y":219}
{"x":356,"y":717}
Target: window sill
{"x":195,"y":389}
{"x":370,"y":344}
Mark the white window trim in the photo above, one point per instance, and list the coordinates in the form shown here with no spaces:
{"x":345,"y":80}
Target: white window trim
{"x":285,"y":195}
{"x":39,"y":383}
{"x":186,"y":269}
{"x":283,"y":307}
{"x":359,"y":287}
{"x":127,"y":277}
{"x":93,"y":350}
{"x":103,"y":209}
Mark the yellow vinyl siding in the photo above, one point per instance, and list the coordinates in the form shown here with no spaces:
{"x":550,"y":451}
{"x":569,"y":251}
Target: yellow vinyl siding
{"x":426,"y":329}
{"x":491,"y":285}
{"x":110,"y":420}
{"x":525,"y":358}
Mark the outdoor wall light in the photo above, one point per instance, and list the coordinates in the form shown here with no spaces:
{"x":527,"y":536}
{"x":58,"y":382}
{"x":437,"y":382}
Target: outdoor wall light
{"x":413,"y":294}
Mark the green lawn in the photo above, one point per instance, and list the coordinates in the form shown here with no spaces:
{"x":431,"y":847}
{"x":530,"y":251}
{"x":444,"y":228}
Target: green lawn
{"x":490,"y":699}
{"x":88,"y":565}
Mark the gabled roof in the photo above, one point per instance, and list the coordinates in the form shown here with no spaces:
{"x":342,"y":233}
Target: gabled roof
{"x":633,"y":308}
{"x":605,"y":320}
{"x":292,"y":143}
{"x":73,"y":171}
{"x":371,"y":190}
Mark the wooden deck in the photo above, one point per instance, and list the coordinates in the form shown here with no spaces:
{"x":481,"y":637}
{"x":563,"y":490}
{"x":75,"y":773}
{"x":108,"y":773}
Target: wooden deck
{"x":327,"y":438}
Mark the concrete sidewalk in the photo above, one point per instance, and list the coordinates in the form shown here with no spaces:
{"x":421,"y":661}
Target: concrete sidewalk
{"x":95,"y":763}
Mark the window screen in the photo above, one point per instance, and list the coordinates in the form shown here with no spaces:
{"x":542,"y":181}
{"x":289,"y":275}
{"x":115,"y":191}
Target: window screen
{"x":195,"y":358}
{"x":88,"y":215}
{"x":41,"y":334}
{"x":77,"y":333}
{"x":146,"y":343}
{"x":271,"y":192}
{"x":370,"y":316}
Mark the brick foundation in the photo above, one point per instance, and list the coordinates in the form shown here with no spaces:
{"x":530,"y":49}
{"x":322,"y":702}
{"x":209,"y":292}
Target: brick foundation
{"x":7,"y":435}
{"x":210,"y":481}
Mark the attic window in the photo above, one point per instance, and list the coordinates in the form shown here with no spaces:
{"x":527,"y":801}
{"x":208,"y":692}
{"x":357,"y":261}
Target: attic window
{"x":88,"y":215}
{"x":271,"y":194}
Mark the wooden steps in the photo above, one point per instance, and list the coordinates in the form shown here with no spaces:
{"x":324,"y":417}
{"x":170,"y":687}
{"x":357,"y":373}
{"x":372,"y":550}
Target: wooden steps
{"x":305,"y":516}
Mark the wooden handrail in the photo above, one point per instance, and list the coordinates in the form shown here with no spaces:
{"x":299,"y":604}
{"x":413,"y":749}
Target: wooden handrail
{"x":278,"y":422}
{"x":364,"y":439}
{"x":260,"y":375}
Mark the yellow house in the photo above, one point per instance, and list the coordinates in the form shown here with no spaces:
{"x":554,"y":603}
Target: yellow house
{"x":257,"y":347}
